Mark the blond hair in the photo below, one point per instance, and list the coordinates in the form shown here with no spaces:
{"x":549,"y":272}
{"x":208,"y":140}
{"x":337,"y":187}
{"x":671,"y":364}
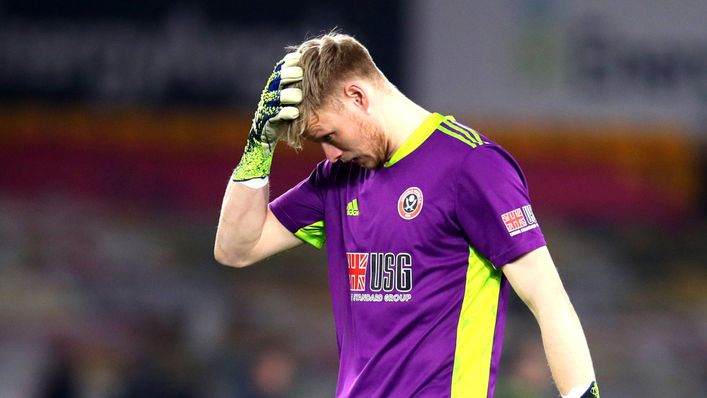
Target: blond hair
{"x":327,"y":61}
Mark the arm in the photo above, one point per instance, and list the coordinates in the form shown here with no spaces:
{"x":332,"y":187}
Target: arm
{"x":247,"y":230}
{"x":535,"y":279}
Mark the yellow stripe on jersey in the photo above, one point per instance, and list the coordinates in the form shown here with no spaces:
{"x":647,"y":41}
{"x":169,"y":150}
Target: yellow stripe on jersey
{"x":314,"y":234}
{"x":416,"y":139}
{"x":476,"y":327}
{"x":453,"y":127}
{"x":463,"y":138}
{"x":469,"y":132}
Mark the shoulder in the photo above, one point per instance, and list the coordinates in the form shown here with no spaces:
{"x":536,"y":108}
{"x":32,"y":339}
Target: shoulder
{"x":330,"y":175}
{"x":472,"y":153}
{"x":465,"y":145}
{"x":490,"y":160}
{"x":461,"y":135}
{"x":477,"y":162}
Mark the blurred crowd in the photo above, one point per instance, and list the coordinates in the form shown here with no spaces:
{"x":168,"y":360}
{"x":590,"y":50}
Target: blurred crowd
{"x":103,"y":302}
{"x":99,"y":300}
{"x":119,"y":123}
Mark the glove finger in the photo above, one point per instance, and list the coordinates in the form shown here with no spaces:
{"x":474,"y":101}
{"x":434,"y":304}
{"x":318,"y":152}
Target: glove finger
{"x":286,"y":114}
{"x":291,"y":74}
{"x":290,"y":96}
{"x":291,"y":59}
{"x":288,"y":61}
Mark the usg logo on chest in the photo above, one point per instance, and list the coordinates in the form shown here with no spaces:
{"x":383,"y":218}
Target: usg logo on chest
{"x":410,"y":203}
{"x":389,"y":277}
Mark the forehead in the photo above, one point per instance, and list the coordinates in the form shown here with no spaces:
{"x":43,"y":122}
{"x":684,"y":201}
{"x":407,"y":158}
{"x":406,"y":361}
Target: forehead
{"x":322,"y":120}
{"x":313,"y":126}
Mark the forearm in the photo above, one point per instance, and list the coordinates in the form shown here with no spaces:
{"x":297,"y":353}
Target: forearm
{"x":241,"y":222}
{"x":565,"y":344}
{"x":535,"y":279}
{"x":244,"y":217}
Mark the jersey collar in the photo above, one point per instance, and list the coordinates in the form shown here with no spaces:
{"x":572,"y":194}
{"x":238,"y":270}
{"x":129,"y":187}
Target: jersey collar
{"x":417,"y":137}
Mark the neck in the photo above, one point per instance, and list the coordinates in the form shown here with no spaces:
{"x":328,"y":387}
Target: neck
{"x":401,"y":117}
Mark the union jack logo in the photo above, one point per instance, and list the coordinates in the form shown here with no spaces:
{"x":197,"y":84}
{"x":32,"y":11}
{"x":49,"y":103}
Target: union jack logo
{"x":519,"y":220}
{"x":358,"y":262}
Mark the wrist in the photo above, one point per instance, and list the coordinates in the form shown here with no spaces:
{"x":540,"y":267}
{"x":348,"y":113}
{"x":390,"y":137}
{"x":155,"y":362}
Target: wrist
{"x":256,"y":183}
{"x":590,"y":390}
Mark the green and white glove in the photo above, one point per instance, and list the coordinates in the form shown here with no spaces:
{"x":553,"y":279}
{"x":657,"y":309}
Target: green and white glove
{"x":278,"y":105}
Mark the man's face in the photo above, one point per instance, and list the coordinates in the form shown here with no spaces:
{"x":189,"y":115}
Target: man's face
{"x":349,"y":135}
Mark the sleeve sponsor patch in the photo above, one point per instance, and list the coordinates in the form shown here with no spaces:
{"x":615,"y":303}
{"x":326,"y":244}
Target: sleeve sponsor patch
{"x":519,"y":220}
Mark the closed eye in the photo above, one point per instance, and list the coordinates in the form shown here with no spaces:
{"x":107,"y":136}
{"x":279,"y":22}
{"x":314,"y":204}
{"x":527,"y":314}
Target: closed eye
{"x":327,"y":137}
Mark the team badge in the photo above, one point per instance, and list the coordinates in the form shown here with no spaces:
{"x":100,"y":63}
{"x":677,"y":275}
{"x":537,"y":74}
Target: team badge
{"x":410,"y":203}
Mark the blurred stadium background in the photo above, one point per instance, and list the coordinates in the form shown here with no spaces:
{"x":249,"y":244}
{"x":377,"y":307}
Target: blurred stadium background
{"x":120,"y":123}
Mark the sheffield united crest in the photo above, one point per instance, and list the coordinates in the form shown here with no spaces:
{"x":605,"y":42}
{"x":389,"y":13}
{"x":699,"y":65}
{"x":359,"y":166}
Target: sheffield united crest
{"x":410,"y":203}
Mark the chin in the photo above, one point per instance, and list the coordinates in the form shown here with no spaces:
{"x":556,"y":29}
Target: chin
{"x":371,"y":163}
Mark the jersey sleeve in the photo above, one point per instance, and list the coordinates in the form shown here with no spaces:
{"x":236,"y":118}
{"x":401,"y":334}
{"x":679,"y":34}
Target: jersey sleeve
{"x":493,"y":206}
{"x":301,"y":209}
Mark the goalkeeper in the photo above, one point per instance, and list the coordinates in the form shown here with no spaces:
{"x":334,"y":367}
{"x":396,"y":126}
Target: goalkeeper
{"x":427,"y":224}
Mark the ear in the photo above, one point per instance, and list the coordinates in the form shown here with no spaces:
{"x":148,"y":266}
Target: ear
{"x":356,"y":93}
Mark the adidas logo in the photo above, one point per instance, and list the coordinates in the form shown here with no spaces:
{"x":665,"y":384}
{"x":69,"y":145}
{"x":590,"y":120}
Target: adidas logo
{"x":352,"y":208}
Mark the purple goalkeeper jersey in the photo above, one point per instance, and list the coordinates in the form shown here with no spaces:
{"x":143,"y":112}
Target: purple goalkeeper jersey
{"x":415,"y":250}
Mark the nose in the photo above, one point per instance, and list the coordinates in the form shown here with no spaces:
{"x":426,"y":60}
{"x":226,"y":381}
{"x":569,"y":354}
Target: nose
{"x":331,"y":152}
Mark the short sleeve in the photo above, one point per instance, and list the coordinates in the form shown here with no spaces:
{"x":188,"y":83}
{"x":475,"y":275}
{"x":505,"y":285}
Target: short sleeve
{"x":301,"y":209}
{"x":493,"y":206}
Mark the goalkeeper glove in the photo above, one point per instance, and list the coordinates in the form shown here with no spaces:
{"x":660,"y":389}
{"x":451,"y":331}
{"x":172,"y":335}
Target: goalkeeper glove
{"x":277,"y":105}
{"x":591,"y":391}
